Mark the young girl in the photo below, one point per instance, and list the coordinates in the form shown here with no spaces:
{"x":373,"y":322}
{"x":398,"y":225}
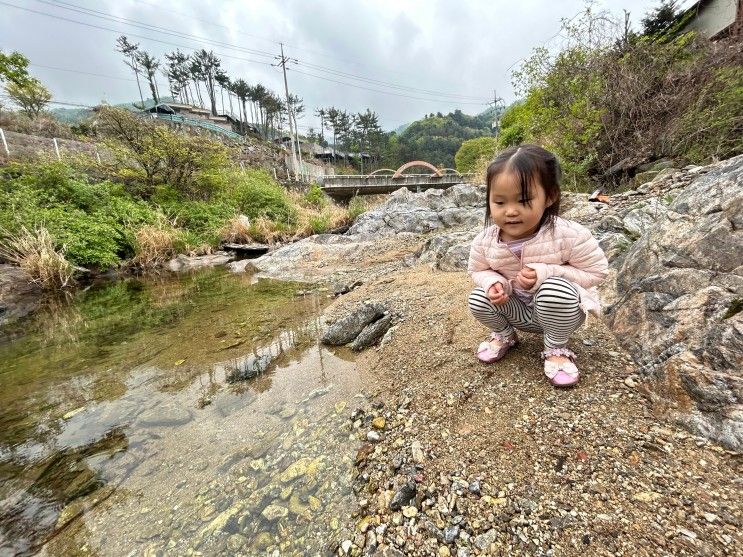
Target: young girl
{"x":534,"y":271}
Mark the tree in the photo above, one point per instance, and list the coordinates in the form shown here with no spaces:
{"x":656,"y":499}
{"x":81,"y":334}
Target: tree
{"x":224,"y":84}
{"x":320,"y":113}
{"x":14,"y":68}
{"x":659,"y":19}
{"x":209,"y":67}
{"x":30,"y":95}
{"x":149,"y":65}
{"x":241,"y":89}
{"x":130,"y":51}
{"x":177,"y":70}
{"x":473,"y":151}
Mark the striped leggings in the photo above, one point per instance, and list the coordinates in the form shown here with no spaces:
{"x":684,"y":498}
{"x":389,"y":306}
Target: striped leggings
{"x":554,"y":312}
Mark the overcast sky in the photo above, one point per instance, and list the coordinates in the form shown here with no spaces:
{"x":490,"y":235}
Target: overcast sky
{"x":428,"y":55}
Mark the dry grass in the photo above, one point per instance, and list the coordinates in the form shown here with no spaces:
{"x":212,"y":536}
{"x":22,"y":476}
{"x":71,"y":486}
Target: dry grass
{"x":237,"y":230}
{"x":34,"y":252}
{"x":153,"y":245}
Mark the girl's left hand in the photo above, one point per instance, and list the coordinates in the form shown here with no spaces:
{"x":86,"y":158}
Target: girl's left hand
{"x":526,"y":278}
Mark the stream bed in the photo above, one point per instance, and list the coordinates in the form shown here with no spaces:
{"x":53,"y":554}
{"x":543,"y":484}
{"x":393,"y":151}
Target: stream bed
{"x":188,"y":415}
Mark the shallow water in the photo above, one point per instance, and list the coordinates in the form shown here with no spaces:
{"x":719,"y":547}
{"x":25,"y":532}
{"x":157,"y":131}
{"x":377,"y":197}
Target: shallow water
{"x":176,"y":416}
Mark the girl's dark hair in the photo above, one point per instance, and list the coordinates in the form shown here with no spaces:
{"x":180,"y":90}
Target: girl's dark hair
{"x":528,"y":162}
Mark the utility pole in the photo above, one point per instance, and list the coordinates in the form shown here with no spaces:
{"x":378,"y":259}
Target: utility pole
{"x":282,"y":62}
{"x":496,"y":104}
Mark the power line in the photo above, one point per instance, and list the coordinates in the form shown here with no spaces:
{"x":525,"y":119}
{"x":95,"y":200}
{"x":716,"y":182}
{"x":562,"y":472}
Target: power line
{"x":387,"y":84}
{"x":82,"y":72}
{"x":149,"y":27}
{"x":54,"y":16}
{"x":383,"y":92}
{"x":172,"y":32}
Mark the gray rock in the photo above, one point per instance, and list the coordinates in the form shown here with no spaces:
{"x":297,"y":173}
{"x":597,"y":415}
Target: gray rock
{"x":372,"y":333}
{"x":250,"y":367}
{"x":448,"y":252}
{"x":165,"y":415}
{"x":679,"y":289}
{"x":483,"y":541}
{"x":643,"y":216}
{"x":450,"y":534}
{"x":403,"y":496}
{"x":188,"y":263}
{"x":348,"y":328}
{"x":18,"y":295}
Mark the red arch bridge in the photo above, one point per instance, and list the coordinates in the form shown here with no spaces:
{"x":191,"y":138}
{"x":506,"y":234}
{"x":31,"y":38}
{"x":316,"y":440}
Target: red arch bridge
{"x":386,"y":180}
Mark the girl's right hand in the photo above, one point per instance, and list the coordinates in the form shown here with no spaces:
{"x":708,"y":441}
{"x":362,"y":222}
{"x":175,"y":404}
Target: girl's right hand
{"x":496,"y":294}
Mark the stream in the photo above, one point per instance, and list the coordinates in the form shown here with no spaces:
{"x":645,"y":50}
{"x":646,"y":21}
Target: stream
{"x":176,"y":415}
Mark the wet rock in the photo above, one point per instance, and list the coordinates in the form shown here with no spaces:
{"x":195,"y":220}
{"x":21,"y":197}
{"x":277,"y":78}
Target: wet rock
{"x":166,"y":414}
{"x":372,"y":333}
{"x":274,"y":512}
{"x":403,"y":496}
{"x":18,"y":295}
{"x":249,"y":368}
{"x":295,"y":470}
{"x":184,"y":263}
{"x":348,"y":328}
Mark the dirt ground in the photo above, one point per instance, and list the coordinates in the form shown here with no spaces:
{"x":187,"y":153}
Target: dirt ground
{"x":505,"y":464}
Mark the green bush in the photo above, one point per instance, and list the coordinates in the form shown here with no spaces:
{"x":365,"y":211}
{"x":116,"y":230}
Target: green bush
{"x":316,"y":197}
{"x":200,"y":219}
{"x":472,"y":152}
{"x":356,"y":207}
{"x":256,"y":194}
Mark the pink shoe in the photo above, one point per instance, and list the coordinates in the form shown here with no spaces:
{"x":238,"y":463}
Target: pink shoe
{"x":485,"y":352}
{"x":563,"y":374}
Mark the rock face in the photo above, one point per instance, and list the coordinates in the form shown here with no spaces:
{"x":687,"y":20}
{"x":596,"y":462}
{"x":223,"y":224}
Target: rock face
{"x":403,"y":215}
{"x":679,"y":289}
{"x":185,"y":263}
{"x":405,"y":211}
{"x":18,"y":295}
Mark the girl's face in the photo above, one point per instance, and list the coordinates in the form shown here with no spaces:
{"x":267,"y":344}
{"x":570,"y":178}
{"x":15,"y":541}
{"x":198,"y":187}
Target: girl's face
{"x":510,"y":211}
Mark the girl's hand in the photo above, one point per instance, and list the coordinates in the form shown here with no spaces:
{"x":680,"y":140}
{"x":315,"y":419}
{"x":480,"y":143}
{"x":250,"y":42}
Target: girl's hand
{"x":526,"y":278}
{"x":496,"y":294}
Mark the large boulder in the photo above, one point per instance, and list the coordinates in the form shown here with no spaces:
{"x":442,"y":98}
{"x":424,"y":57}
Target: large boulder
{"x":679,"y":290}
{"x":405,"y":211}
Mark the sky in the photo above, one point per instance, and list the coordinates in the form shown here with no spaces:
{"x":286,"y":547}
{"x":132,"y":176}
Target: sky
{"x":400,"y":58}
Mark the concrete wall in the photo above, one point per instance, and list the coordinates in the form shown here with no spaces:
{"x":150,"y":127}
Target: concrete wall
{"x":714,"y":17}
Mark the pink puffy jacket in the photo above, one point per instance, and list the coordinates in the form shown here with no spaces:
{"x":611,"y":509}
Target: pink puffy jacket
{"x":568,"y":251}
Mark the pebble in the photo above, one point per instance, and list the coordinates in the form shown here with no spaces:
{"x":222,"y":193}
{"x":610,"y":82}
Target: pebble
{"x":373,"y":436}
{"x":409,"y":512}
{"x":378,"y":422}
{"x":346,"y":546}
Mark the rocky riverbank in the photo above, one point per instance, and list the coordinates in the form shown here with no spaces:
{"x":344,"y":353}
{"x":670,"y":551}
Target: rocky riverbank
{"x":465,"y":459}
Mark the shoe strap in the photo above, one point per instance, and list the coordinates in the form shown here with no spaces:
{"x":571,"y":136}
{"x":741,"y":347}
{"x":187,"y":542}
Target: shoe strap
{"x":558,"y":352}
{"x":504,"y":339}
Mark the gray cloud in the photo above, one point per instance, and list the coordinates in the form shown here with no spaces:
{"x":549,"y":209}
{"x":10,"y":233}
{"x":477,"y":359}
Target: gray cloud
{"x":459,"y":47}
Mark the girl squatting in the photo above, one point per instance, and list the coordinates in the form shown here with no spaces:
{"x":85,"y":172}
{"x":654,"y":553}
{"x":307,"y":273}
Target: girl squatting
{"x":534,"y":270}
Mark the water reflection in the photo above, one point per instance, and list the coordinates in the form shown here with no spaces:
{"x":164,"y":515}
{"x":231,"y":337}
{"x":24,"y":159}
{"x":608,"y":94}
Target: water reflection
{"x":139,"y":413}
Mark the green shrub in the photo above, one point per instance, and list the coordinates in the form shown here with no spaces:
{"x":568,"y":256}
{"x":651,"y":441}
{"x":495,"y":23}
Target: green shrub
{"x":201,"y":220}
{"x":316,"y":197}
{"x":472,"y":152}
{"x":356,"y":207}
{"x":319,"y":224}
{"x":255,"y":194}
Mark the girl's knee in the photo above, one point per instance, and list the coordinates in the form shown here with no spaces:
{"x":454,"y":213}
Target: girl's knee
{"x":478,"y":296}
{"x":557,"y":290}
